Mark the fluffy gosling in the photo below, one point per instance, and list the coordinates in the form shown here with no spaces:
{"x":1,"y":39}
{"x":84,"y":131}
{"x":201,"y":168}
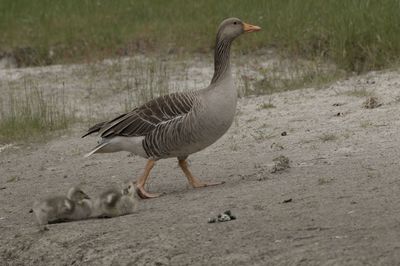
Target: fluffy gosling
{"x":75,"y":206}
{"x":113,"y":202}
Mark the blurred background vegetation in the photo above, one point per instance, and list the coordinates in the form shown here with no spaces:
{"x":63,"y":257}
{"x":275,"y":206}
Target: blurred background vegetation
{"x":356,"y":35}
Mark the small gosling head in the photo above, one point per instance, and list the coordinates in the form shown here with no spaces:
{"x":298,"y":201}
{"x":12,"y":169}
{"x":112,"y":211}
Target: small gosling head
{"x":130,"y":189}
{"x":76,"y":194}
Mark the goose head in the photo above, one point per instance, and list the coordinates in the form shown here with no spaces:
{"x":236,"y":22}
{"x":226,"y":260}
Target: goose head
{"x":76,"y":194}
{"x":231,"y":28}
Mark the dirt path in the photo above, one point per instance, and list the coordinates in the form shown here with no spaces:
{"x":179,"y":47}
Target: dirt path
{"x":343,"y":184}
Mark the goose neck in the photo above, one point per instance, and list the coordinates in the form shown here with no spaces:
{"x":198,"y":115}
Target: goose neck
{"x":221,"y":59}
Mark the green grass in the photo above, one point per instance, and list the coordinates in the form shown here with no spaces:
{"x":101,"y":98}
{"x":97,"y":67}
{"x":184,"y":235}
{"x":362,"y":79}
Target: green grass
{"x":30,"y":115}
{"x":357,"y":35}
{"x":266,"y":106}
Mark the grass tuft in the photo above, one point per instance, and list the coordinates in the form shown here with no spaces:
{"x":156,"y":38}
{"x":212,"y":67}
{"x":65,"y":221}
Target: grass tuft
{"x":359,"y":92}
{"x":147,"y":82}
{"x":31,"y":115}
{"x":266,"y":105}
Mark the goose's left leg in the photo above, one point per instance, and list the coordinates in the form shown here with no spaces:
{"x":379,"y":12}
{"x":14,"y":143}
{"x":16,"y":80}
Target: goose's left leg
{"x":194,"y":181}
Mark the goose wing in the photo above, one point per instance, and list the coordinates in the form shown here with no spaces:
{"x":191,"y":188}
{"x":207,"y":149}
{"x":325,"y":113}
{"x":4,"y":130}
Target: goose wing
{"x":145,"y":118}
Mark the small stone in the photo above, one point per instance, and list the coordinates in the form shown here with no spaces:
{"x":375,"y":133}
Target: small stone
{"x":223,"y":218}
{"x":280,"y":163}
{"x":340,"y":114}
{"x":13,"y":179}
{"x":284,"y":133}
{"x":228,"y":212}
{"x":276,"y":146}
{"x":371,"y":103}
{"x":287,"y":200}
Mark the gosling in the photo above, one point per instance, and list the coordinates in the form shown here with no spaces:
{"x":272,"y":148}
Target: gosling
{"x":75,"y":206}
{"x":113,"y":202}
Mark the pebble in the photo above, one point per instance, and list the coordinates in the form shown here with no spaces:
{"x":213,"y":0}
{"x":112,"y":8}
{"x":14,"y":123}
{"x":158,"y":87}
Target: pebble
{"x":222,"y":217}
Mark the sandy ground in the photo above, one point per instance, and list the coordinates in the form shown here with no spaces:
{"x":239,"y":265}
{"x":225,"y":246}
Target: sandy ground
{"x":343,"y":184}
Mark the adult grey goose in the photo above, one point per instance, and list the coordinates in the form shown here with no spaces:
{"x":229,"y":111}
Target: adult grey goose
{"x":178,"y":124}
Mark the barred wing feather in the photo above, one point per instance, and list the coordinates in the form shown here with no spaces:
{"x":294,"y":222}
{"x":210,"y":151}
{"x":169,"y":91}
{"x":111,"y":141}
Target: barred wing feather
{"x":144,"y":119}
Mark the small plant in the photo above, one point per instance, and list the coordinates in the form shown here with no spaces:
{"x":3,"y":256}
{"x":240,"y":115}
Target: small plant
{"x":234,"y":146}
{"x":260,"y":135}
{"x":267,"y":105}
{"x":328,"y":137}
{"x":362,"y":92}
{"x":252,"y":119}
{"x":324,"y":180}
{"x":365,"y":124}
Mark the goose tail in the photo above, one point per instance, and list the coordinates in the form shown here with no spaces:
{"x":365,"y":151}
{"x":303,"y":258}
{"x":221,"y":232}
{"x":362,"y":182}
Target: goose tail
{"x":96,"y":149}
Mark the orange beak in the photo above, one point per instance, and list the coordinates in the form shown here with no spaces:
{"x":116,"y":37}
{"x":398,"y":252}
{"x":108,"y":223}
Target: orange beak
{"x":250,"y":28}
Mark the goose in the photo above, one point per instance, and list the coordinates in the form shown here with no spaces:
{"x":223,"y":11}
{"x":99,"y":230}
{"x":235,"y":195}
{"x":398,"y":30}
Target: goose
{"x":113,"y":202}
{"x":178,"y":124}
{"x":75,"y":206}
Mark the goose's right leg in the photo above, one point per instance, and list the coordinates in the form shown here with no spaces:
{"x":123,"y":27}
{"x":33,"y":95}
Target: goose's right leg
{"x":142,"y":181}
